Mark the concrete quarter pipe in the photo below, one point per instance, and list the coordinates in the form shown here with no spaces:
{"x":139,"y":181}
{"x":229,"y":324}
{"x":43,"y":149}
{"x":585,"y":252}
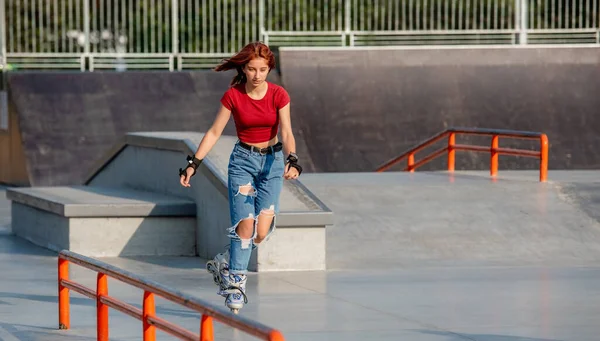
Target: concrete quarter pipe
{"x":360,"y":107}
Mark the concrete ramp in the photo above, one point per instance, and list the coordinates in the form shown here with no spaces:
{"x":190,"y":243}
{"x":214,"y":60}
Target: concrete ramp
{"x":390,"y":220}
{"x":150,"y":162}
{"x":66,"y":120}
{"x":357,"y":108}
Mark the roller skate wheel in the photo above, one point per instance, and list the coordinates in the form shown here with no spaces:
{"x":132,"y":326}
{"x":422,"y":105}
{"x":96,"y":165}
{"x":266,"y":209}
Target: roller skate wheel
{"x":235,"y":311}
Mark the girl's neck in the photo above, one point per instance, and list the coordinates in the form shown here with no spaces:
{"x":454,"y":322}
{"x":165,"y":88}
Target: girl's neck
{"x":255,"y":90}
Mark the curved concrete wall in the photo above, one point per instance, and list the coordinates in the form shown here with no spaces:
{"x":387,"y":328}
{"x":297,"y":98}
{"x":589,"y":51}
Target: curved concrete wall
{"x":66,"y":119}
{"x":358,"y":108}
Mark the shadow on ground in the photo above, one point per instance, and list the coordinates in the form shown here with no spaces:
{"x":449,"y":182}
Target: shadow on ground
{"x":480,"y":337}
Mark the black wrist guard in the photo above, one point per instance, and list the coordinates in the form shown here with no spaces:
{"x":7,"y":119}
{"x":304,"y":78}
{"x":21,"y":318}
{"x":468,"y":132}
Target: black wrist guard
{"x":192,"y":162}
{"x":297,"y":166}
{"x":292,"y":159}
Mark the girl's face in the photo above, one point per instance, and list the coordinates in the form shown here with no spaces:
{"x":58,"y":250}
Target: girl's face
{"x":256,"y":71}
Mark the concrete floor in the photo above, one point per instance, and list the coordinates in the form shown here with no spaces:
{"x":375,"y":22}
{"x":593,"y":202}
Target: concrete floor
{"x":470,"y":303}
{"x":398,"y":220}
{"x":424,"y":298}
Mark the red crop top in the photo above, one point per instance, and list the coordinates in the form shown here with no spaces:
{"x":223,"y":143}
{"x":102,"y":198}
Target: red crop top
{"x":255,"y":120}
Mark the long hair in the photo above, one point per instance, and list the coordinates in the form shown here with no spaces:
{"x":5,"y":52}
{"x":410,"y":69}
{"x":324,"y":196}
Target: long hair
{"x":243,"y":57}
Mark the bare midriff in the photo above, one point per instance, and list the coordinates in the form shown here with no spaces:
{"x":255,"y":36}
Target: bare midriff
{"x":265,"y":144}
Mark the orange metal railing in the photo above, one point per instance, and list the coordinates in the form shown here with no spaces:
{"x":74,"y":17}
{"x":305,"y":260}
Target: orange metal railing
{"x":147,"y":315}
{"x":494,"y":149}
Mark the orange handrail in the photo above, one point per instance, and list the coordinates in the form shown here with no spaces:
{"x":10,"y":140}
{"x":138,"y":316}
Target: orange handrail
{"x":494,"y":149}
{"x":147,"y":315}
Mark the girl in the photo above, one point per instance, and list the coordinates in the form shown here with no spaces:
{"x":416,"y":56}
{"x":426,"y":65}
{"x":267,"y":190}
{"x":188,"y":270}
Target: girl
{"x":256,"y":165}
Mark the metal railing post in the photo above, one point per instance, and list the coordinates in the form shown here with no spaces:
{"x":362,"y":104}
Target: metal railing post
{"x":206,"y":328}
{"x":148,"y":310}
{"x":411,"y":162}
{"x":3,"y":61}
{"x":102,"y":309}
{"x":86,"y":32}
{"x":348,"y":22}
{"x":261,"y":22}
{"x":276,"y":336}
{"x":543,"y":158}
{"x":63,"y":295}
{"x":451,"y":151}
{"x":524,"y":21}
{"x":494,"y":156}
{"x":175,"y":30}
{"x":521,"y":15}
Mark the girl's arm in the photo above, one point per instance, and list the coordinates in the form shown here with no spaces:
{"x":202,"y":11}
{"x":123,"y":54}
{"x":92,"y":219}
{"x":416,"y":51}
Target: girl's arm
{"x":287,"y":137}
{"x":214,"y":133}
{"x":208,"y":141}
{"x":289,"y":143}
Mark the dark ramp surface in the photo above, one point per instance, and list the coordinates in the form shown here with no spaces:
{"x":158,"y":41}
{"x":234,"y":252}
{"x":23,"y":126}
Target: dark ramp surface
{"x":361,"y":107}
{"x":68,"y":120}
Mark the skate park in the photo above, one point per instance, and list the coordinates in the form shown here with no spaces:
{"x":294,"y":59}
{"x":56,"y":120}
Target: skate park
{"x":425,"y":255}
{"x":450,"y":187}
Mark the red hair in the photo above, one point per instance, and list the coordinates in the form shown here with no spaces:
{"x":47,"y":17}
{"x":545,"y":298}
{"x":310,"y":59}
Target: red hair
{"x":243,"y":57}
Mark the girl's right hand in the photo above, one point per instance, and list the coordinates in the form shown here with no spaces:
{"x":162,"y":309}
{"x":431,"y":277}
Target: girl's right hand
{"x":185,"y":180}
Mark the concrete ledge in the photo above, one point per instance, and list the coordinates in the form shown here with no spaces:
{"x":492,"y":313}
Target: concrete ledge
{"x":300,"y":248}
{"x":88,"y":201}
{"x":301,"y":223}
{"x":299,"y":206}
{"x":104,"y":222}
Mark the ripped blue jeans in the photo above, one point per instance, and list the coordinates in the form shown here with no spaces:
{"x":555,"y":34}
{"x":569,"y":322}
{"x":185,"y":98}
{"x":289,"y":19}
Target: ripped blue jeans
{"x":254,"y":181}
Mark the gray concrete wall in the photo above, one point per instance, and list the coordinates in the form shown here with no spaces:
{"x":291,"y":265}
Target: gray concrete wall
{"x":40,"y":227}
{"x":105,"y":236}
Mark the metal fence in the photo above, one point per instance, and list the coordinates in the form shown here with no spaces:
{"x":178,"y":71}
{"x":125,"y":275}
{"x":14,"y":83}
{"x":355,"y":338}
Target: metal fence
{"x":188,"y":34}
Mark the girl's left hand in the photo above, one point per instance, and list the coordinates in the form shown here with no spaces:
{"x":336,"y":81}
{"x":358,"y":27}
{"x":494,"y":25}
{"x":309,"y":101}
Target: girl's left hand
{"x":290,"y":172}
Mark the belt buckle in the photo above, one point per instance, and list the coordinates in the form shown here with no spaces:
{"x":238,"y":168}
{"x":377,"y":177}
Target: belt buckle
{"x":266,"y":150}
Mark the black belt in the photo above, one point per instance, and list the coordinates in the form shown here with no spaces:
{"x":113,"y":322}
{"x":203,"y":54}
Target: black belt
{"x":268,"y":150}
